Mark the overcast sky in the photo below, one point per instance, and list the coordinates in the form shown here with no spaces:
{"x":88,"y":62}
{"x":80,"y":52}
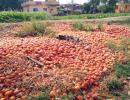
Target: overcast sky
{"x":69,"y":1}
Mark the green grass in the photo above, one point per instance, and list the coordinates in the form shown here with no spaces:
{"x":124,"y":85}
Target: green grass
{"x":11,"y":16}
{"x":114,"y":85}
{"x":35,"y":28}
{"x":78,"y":26}
{"x":43,"y":96}
{"x":122,"y":70}
{"x":90,"y":16}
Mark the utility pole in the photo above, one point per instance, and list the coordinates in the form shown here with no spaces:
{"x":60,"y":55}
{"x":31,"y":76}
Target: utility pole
{"x":72,"y":3}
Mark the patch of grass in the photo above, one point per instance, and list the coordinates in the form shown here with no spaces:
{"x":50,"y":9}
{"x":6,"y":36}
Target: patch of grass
{"x":88,"y":27}
{"x":35,"y":28}
{"x":78,"y":26}
{"x":89,"y":16}
{"x":122,"y":46}
{"x":13,"y":16}
{"x":69,"y":96}
{"x":1,"y":27}
{"x":111,"y":45}
{"x":43,"y":96}
{"x":114,"y":85}
{"x":100,"y":27}
{"x":122,"y":70}
{"x":83,"y":26}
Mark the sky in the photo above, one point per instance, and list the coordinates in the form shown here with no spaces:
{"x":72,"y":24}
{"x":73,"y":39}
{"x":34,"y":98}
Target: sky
{"x":69,"y":1}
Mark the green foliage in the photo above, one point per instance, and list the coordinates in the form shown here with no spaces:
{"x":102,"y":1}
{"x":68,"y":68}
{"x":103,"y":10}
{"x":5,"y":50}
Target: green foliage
{"x":35,"y":28}
{"x":90,"y":16}
{"x":88,"y":27}
{"x":123,"y":46}
{"x":43,"y":96}
{"x":114,"y":85}
{"x":122,"y":70}
{"x":10,"y":5}
{"x":83,"y":26}
{"x":94,"y":6}
{"x":111,"y":45}
{"x":1,"y":27}
{"x":69,"y":96}
{"x":12,"y":16}
{"x":100,"y":27}
{"x":78,"y":26}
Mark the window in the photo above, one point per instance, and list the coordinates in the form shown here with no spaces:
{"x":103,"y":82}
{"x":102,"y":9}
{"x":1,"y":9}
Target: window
{"x":35,"y":9}
{"x":44,"y":9}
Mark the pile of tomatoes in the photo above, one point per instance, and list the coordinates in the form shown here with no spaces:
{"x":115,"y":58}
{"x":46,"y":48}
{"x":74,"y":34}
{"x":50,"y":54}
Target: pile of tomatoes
{"x":118,"y":30}
{"x":67,"y":65}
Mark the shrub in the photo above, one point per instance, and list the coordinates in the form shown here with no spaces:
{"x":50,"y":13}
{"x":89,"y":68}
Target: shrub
{"x":88,"y":27}
{"x":122,"y":70}
{"x":69,"y":96}
{"x":111,"y":45}
{"x":90,"y":16}
{"x":43,"y":96}
{"x":35,"y":28}
{"x":1,"y":27}
{"x":83,"y":26}
{"x":78,"y":26}
{"x":11,"y":16}
{"x":100,"y":27}
{"x":114,"y":85}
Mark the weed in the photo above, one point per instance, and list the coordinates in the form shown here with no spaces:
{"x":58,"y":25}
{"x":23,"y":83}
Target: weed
{"x":78,"y":26}
{"x":88,"y":27}
{"x":69,"y":96}
{"x":35,"y":28}
{"x":114,"y":85}
{"x":100,"y":27}
{"x":122,"y":70}
{"x":43,"y":96}
{"x":123,"y":46}
{"x":111,"y":45}
{"x":83,"y":26}
{"x":1,"y":27}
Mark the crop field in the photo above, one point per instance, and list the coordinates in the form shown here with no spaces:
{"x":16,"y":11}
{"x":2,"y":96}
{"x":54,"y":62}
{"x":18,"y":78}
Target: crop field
{"x":12,"y":16}
{"x":64,"y":61}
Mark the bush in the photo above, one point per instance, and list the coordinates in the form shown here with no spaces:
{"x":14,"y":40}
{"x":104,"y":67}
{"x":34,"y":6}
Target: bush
{"x":1,"y":27}
{"x":100,"y":27}
{"x":43,"y":96}
{"x":35,"y":28}
{"x":11,"y":16}
{"x":114,"y":85}
{"x":122,"y":70}
{"x":90,"y":16}
{"x":88,"y":27}
{"x":83,"y":26}
{"x":78,"y":26}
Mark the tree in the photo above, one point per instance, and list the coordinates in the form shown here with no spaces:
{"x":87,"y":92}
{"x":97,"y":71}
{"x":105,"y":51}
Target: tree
{"x":10,"y":5}
{"x":91,"y":6}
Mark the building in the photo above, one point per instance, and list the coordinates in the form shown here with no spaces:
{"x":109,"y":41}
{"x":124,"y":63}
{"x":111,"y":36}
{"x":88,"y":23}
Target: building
{"x":70,"y":8}
{"x":123,"y":6}
{"x":50,"y":6}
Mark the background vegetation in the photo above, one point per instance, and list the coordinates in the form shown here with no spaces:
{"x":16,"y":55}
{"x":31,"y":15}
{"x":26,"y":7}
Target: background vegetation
{"x":13,"y":16}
